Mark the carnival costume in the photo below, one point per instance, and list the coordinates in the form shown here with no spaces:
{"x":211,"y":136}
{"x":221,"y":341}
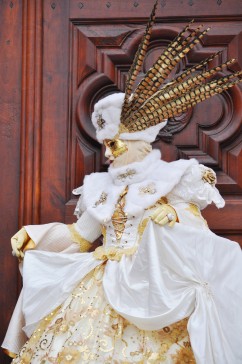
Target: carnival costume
{"x":150,"y":293}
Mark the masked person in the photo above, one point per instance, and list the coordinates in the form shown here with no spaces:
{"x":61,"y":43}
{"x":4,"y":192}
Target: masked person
{"x":162,"y":288}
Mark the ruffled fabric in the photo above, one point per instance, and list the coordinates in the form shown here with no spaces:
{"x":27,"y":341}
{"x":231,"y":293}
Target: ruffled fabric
{"x":101,"y":191}
{"x":178,"y":272}
{"x":85,"y":329}
{"x":192,"y":188}
{"x":175,"y":273}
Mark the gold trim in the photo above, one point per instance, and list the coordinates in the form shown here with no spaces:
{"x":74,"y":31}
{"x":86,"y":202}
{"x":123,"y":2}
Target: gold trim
{"x":194,"y":209}
{"x":84,"y":244}
{"x":119,"y":217}
{"x":142,"y":226}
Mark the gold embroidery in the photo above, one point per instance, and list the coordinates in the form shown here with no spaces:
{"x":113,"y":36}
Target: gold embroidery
{"x":184,"y":355}
{"x":100,"y":122}
{"x":84,"y":244}
{"x":150,"y":189}
{"x":128,"y":174}
{"x":69,"y":356}
{"x":98,"y":334}
{"x":102,"y":199}
{"x":119,"y":217}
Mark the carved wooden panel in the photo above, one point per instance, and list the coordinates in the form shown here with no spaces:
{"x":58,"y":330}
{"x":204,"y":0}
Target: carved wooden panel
{"x":58,"y":58}
{"x":211,"y":132}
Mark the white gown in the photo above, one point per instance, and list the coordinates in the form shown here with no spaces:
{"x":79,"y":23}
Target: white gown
{"x":146,"y":286}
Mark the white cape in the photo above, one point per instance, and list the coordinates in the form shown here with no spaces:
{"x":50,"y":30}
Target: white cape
{"x":177,"y":272}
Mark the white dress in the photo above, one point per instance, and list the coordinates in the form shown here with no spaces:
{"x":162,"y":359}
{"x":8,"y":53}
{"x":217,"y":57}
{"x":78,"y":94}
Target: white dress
{"x":149,"y":294}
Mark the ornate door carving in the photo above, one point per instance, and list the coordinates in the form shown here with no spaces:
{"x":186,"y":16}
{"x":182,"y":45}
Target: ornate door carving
{"x":60,"y":57}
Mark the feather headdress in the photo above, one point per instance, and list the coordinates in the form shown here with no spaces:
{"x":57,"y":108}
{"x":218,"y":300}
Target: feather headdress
{"x":141,"y":113}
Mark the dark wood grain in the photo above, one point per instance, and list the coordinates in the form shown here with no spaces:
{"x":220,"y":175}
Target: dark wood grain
{"x":10,"y":113}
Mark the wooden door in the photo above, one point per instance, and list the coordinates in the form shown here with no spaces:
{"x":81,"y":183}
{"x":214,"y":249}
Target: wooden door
{"x":58,"y":57}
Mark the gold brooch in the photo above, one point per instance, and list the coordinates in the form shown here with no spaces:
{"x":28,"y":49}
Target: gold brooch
{"x":128,"y":174}
{"x":100,"y":122}
{"x":150,"y":189}
{"x":102,"y":200}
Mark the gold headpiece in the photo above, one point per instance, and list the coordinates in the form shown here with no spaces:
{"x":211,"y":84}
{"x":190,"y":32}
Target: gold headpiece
{"x":153,"y":101}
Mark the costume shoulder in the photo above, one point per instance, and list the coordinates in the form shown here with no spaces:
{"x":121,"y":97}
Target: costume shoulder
{"x":92,"y":185}
{"x":98,"y":196}
{"x":170,"y":173}
{"x":197,"y":186}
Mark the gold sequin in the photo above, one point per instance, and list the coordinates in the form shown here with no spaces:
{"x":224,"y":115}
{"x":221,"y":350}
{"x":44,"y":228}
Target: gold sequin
{"x":97,"y":334}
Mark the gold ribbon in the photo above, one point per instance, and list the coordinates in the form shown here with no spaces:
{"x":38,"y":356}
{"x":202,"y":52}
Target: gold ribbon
{"x":84,"y":244}
{"x":112,"y":253}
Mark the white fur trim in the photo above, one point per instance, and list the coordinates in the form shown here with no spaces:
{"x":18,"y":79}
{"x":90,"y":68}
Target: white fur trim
{"x":110,"y":109}
{"x":142,"y":169}
{"x":162,"y":175}
{"x":147,"y":135}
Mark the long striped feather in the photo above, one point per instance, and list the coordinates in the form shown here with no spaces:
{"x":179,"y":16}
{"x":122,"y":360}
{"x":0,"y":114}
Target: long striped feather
{"x":138,"y":61}
{"x":160,"y":71}
{"x":153,"y":112}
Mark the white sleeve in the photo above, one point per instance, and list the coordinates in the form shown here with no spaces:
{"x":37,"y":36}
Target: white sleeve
{"x":54,"y":237}
{"x":197,"y":186}
{"x":88,"y":227}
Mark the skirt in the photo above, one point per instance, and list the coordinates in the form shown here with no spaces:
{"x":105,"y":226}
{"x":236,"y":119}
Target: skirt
{"x":86,"y":329}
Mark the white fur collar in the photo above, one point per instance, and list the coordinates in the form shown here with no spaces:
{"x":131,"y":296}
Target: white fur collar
{"x":101,"y":190}
{"x":134,"y":172}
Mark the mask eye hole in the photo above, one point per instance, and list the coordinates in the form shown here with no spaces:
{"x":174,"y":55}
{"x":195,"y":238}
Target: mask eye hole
{"x":112,"y":144}
{"x":109,"y":143}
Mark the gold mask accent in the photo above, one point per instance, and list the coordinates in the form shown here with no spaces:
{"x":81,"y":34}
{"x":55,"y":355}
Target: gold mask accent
{"x":117,"y":146}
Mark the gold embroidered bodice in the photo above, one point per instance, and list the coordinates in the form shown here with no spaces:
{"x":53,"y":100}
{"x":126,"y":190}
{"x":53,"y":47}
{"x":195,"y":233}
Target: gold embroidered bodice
{"x":119,"y":217}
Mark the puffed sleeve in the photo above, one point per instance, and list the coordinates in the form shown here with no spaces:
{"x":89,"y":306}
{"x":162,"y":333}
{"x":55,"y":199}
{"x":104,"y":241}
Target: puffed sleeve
{"x":59,"y":237}
{"x":197,"y":186}
{"x":193,"y":193}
